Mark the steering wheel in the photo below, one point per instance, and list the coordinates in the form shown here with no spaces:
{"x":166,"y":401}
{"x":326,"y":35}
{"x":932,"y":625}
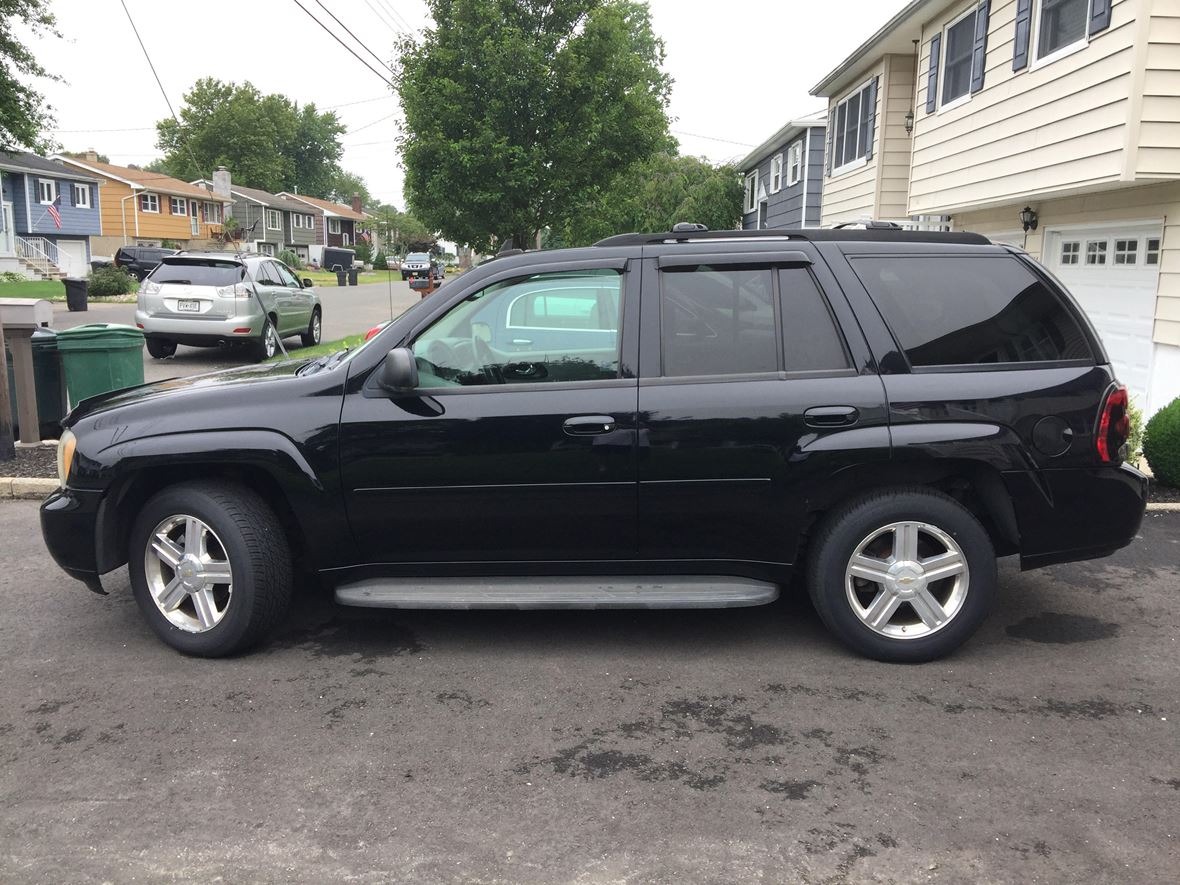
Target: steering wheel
{"x":441,"y":355}
{"x":486,"y":360}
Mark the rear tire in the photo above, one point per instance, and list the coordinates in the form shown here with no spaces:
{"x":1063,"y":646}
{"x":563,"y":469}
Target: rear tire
{"x":161,"y":348}
{"x":311,"y":337}
{"x":904,"y":574}
{"x":233,"y":535}
{"x":266,"y":345}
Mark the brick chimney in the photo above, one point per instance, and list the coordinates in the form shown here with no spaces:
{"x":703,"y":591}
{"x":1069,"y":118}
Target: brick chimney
{"x":91,"y":156}
{"x":221,"y":182}
{"x":356,"y":203}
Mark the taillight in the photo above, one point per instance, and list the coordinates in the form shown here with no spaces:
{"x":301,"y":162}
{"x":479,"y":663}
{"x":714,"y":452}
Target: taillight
{"x":1114,"y":426}
{"x":373,"y":331}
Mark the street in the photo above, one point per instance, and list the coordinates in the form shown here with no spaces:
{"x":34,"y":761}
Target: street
{"x":674,"y":746}
{"x":347,"y":311}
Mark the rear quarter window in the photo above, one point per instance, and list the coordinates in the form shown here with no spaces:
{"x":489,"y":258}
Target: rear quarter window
{"x":953,"y":310}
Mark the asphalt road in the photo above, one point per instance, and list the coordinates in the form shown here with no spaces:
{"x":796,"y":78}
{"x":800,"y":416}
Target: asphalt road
{"x":347,"y":311}
{"x":591,"y":747}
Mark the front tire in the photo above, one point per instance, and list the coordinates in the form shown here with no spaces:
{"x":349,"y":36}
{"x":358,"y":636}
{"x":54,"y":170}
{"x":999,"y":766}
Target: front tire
{"x":903,"y":575}
{"x":311,"y":337}
{"x":161,"y":348}
{"x":210,"y":567}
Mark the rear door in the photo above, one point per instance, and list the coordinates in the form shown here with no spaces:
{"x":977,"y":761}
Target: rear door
{"x":755,"y":389}
{"x":298,"y":299}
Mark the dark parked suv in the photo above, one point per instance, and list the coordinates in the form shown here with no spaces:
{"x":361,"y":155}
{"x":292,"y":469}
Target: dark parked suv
{"x":658,"y":421}
{"x":139,"y":261}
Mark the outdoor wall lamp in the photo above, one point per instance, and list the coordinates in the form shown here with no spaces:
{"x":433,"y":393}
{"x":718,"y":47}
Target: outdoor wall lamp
{"x":1028,"y":218}
{"x":909,"y":122}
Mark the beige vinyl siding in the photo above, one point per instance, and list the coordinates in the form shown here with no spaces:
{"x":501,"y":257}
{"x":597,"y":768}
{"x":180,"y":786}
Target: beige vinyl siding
{"x":1046,"y":130}
{"x":1158,"y":148}
{"x":1126,"y":204}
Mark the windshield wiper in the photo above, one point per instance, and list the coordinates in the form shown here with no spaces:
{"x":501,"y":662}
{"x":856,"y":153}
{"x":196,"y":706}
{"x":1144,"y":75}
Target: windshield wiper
{"x":322,"y":362}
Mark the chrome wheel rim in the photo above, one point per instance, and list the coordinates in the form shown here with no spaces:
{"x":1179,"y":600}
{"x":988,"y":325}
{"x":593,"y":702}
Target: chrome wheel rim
{"x":268,"y":341}
{"x":315,"y":328}
{"x":907,"y":580}
{"x":189,"y":576}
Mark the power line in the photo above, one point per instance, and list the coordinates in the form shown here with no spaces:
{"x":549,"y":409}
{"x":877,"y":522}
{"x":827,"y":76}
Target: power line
{"x":383,"y":19}
{"x":360,"y":42}
{"x":349,"y":104}
{"x":342,"y":43}
{"x":128,"y":129}
{"x":385,"y":4}
{"x":712,"y":138}
{"x":374,"y":123}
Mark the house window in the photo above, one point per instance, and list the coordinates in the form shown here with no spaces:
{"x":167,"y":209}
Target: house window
{"x":46,"y":190}
{"x":309,"y":221}
{"x":1061,"y":24}
{"x":274,"y":219}
{"x":959,"y":43}
{"x":297,"y":220}
{"x":333,"y":225}
{"x":1096,"y":252}
{"x":179,"y":206}
{"x":776,"y":174}
{"x":1151,"y":255}
{"x":1126,"y":251}
{"x":346,"y":240}
{"x":794,"y":163}
{"x":82,"y":196}
{"x":266,"y":249}
{"x":213,"y":213}
{"x":1070,"y":252}
{"x":851,"y":142}
{"x":149,"y":203}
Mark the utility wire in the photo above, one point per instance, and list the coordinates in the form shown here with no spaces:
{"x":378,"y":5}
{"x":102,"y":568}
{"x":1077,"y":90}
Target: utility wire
{"x":712,"y":138}
{"x":385,"y":4}
{"x":382,"y":18}
{"x":360,"y":42}
{"x":332,"y":33}
{"x":374,"y":123}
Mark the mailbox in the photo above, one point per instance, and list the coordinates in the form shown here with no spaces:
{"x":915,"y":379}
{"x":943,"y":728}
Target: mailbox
{"x":20,"y":317}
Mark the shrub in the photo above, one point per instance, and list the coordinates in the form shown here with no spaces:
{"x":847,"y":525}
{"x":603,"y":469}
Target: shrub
{"x":11,"y":276}
{"x":1135,"y":439}
{"x":379,"y":262}
{"x":1161,"y":444}
{"x":364,"y":252}
{"x":290,"y":259}
{"x":109,"y":281}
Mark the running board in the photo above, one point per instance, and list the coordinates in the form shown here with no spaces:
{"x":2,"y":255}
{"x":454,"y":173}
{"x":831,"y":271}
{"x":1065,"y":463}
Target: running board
{"x":682,"y":591}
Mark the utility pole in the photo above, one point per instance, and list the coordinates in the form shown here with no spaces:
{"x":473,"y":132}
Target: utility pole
{"x":7,"y":449}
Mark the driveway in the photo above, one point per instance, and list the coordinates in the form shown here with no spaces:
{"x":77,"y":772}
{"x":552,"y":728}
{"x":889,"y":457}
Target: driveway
{"x":347,"y":311}
{"x":631,"y":747}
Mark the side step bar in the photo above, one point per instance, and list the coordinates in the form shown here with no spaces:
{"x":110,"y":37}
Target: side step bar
{"x":681,"y":591}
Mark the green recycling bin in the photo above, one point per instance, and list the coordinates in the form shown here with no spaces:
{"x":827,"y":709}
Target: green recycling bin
{"x":100,"y":357}
{"x":51,"y":398}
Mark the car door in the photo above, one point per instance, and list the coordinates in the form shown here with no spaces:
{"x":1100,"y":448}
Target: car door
{"x":756,"y":388}
{"x":298,"y":299}
{"x":500,"y":456}
{"x":280,"y":295}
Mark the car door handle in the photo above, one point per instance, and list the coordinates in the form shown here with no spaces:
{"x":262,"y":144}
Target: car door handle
{"x":588,"y":425}
{"x":522,"y":341}
{"x":831,"y":416}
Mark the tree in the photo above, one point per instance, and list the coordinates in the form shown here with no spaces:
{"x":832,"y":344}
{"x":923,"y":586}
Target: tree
{"x":24,"y":115}
{"x":344,"y":184}
{"x":266,"y":141}
{"x":653,"y":195}
{"x":515,"y":110}
{"x":401,"y":231}
{"x":102,"y":158}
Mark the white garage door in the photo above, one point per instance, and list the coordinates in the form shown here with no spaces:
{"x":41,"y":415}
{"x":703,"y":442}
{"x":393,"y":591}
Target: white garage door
{"x":71,"y":257}
{"x":1113,"y":272}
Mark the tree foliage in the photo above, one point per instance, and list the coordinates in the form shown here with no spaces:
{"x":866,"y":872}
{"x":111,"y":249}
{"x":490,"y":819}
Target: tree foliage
{"x":344,"y":184}
{"x":266,"y":141}
{"x":515,"y":110}
{"x":401,"y":231}
{"x":24,"y":115}
{"x":653,"y":195}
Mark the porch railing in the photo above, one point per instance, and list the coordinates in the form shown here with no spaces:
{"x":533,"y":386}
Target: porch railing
{"x":37,"y":249}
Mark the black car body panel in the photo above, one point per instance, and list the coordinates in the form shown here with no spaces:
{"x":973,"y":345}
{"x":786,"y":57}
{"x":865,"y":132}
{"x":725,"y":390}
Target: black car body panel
{"x":710,"y":473}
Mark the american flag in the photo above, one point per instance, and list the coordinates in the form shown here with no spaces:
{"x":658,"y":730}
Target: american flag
{"x":53,"y":213}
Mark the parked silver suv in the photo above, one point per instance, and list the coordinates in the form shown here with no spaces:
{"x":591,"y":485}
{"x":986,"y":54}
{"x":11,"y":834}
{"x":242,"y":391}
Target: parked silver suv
{"x":207,"y":299}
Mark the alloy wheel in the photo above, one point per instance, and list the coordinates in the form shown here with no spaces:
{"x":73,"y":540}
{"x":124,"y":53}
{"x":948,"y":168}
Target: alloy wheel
{"x":188,"y":572}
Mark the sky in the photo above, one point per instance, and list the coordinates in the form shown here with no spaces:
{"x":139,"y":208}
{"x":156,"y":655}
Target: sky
{"x":742,"y":68}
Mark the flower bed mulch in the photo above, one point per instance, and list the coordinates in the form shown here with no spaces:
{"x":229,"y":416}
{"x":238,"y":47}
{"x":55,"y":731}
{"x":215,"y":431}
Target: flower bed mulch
{"x":36,"y":461}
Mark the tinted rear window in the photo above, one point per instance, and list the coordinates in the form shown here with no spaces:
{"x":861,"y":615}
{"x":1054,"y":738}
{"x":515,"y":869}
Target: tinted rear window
{"x":811,"y":342}
{"x":956,"y":310}
{"x":198,"y":273}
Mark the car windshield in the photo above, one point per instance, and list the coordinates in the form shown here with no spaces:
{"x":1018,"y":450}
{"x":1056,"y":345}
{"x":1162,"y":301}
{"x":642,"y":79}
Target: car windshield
{"x":417,"y":256}
{"x":198,"y":272}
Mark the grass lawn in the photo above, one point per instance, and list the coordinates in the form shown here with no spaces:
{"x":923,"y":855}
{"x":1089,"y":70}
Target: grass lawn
{"x":50,"y":290}
{"x":323,"y":348}
{"x":328,"y":278}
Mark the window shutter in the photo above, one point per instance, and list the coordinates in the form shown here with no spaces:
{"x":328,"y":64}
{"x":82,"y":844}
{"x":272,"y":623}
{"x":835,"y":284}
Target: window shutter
{"x":932,"y":75}
{"x":828,"y":150}
{"x":979,"y":55}
{"x":1023,"y":35}
{"x":868,"y":116}
{"x":1099,"y":16}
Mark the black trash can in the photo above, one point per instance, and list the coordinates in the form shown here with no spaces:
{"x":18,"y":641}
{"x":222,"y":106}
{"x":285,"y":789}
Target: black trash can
{"x":47,"y":378}
{"x":352,"y":276}
{"x":341,"y":278}
{"x":75,"y":293}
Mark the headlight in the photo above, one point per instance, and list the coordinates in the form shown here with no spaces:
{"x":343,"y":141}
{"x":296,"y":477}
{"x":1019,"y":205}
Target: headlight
{"x":65,"y":456}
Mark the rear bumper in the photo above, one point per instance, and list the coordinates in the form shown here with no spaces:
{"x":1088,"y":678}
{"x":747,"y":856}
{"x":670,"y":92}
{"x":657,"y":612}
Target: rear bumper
{"x":69,"y":522}
{"x":198,"y":329}
{"x":1075,"y":514}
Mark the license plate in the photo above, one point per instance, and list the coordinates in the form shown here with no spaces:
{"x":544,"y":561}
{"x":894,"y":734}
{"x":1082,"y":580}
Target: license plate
{"x":189,"y":306}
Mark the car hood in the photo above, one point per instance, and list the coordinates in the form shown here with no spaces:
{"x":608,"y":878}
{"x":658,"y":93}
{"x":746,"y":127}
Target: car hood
{"x":235,"y":379}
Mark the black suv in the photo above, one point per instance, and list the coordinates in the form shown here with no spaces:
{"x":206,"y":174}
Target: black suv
{"x":669,"y":420}
{"x":139,"y":261}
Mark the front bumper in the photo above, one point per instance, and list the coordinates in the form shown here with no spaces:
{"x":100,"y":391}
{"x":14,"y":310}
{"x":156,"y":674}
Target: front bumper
{"x":69,"y":524}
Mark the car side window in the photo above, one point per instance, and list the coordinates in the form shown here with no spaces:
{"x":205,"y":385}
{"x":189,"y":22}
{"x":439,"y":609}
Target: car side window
{"x":286,"y":278}
{"x":541,"y":328}
{"x":264,"y":275}
{"x":717,"y":321}
{"x":811,"y":339}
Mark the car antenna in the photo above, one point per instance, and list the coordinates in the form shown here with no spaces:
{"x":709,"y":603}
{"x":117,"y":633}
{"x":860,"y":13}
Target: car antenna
{"x":240,"y":255}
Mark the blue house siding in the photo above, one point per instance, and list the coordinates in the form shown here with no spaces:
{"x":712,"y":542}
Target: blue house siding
{"x":784,"y":209}
{"x":75,"y":221}
{"x":15,"y":192}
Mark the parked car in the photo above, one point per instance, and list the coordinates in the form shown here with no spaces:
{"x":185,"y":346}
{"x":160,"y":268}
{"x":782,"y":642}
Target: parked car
{"x":416,"y":264}
{"x":97,"y":262}
{"x":218,"y":299}
{"x":139,"y":261}
{"x":879,"y":412}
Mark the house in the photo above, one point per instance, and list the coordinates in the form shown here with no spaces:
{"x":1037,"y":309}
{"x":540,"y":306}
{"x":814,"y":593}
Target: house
{"x":145,"y":208}
{"x":339,"y":225}
{"x":271,"y":223}
{"x":1053,"y":125}
{"x":784,"y":177}
{"x":48,"y":213}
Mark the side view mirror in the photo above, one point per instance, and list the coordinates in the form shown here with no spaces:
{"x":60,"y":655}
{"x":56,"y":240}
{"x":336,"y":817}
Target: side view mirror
{"x":307,"y":283}
{"x":398,"y":372}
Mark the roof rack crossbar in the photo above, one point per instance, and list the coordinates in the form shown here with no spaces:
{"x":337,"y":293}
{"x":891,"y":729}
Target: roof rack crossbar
{"x":893,"y":234}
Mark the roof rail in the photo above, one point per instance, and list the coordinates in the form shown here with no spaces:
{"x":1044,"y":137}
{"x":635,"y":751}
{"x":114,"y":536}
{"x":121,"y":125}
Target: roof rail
{"x":881,"y":234}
